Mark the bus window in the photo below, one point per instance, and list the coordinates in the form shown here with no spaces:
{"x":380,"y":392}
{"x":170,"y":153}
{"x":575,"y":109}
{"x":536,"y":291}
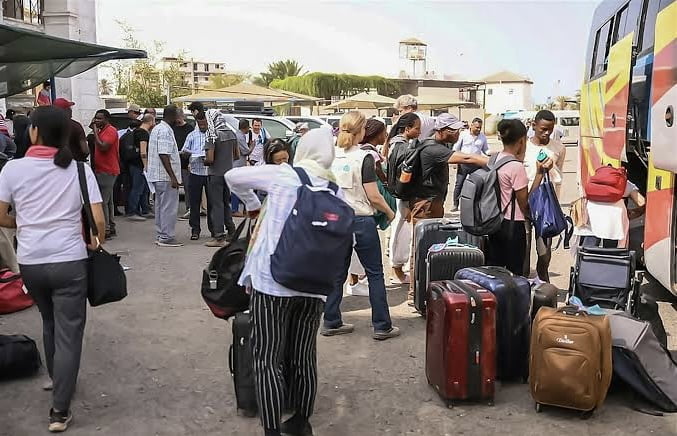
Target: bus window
{"x":648,"y":25}
{"x":602,"y":46}
{"x":626,"y":19}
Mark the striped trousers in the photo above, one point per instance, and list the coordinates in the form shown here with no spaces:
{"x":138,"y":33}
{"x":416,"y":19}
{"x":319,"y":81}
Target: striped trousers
{"x":284,"y":347}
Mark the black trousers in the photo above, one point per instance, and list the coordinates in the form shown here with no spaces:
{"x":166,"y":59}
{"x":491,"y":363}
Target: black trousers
{"x":284,"y":347}
{"x":218,"y":207}
{"x":196,"y":185}
{"x":508,"y":247}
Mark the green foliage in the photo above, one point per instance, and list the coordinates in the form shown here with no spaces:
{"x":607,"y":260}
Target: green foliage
{"x":105,"y":87}
{"x":325,"y":85}
{"x":218,"y":81}
{"x":142,"y":81}
{"x":279,"y":70}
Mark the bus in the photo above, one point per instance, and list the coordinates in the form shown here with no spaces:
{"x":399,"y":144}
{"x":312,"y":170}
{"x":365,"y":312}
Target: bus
{"x":627,"y":116}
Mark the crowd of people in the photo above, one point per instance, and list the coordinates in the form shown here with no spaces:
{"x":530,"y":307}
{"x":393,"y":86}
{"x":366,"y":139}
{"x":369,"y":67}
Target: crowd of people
{"x":228,"y":174}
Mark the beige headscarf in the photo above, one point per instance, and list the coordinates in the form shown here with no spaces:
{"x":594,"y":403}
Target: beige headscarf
{"x":315,"y":153}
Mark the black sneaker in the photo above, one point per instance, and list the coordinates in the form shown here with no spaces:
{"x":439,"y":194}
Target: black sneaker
{"x":296,"y":426}
{"x":194,"y":236}
{"x":59,"y":421}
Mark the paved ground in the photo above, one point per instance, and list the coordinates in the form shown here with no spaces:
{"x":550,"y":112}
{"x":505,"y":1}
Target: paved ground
{"x":155,"y":364}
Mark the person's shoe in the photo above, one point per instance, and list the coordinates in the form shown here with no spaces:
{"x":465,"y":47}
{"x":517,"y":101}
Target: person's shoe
{"x":58,"y":421}
{"x":382,"y":336}
{"x":215,"y":242}
{"x":344,"y":329}
{"x":117,"y":212}
{"x":296,"y":426}
{"x":203,"y":212}
{"x":194,"y":236}
{"x":138,"y":218}
{"x":185,"y":216}
{"x":48,"y":385}
{"x":109,"y":236}
{"x":169,"y":243}
{"x":360,"y":289}
{"x":454,"y":208}
{"x":397,"y":281}
{"x":148,"y":215}
{"x":112,"y":231}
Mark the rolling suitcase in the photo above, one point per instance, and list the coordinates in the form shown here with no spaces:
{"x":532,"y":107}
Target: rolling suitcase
{"x":460,"y":359}
{"x":241,"y":365}
{"x":571,"y":364}
{"x":513,"y":295}
{"x":443,"y":261}
{"x":428,"y":232}
{"x":543,"y":295}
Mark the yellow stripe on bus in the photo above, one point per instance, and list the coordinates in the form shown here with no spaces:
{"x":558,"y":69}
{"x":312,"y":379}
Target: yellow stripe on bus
{"x":666,"y":27}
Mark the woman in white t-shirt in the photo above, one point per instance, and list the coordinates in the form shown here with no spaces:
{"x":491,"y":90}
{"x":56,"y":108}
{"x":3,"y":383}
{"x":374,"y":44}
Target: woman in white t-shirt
{"x":44,"y":192}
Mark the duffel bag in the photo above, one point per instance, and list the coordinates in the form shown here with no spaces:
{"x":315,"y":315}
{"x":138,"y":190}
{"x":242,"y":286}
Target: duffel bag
{"x":19,"y":357}
{"x":12,"y":295}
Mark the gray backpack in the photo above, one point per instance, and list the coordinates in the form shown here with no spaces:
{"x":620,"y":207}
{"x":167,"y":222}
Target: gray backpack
{"x":481,"y":211}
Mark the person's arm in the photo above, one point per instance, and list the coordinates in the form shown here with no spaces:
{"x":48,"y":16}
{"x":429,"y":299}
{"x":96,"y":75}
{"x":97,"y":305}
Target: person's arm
{"x":560,"y":160}
{"x":236,"y":149}
{"x":6,"y":220}
{"x":103,"y":141}
{"x":485,"y":145}
{"x":457,"y":145}
{"x":164,"y":147}
{"x":377,"y":200}
{"x":462,"y":158}
{"x":82,"y":140}
{"x":209,"y":156}
{"x":640,"y":201}
{"x":10,"y":148}
{"x":243,"y":181}
{"x":100,"y":222}
{"x":522,"y":199}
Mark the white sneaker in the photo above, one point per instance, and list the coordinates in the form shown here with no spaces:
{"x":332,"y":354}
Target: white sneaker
{"x":359,"y":289}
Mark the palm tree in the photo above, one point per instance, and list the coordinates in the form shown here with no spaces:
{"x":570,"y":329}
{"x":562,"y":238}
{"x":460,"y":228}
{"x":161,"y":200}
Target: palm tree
{"x":279,"y":70}
{"x":562,"y":102}
{"x":105,"y":87}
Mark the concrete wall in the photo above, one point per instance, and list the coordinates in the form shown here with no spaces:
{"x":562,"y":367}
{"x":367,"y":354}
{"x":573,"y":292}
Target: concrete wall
{"x":508,"y":96}
{"x":75,"y":19}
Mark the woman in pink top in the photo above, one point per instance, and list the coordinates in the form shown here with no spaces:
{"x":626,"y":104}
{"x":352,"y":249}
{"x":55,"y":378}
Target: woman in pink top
{"x":507,"y":247}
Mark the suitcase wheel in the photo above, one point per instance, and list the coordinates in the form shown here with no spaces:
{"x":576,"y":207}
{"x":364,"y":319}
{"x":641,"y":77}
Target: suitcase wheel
{"x":450,"y":404}
{"x":539,"y":408}
{"x":490,"y":403}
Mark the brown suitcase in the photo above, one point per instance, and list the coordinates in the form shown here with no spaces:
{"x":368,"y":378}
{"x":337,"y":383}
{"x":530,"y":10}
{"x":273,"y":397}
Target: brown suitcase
{"x":570,"y":364}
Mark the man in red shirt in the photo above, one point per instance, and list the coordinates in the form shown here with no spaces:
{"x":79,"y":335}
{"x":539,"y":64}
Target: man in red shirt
{"x":106,"y":164}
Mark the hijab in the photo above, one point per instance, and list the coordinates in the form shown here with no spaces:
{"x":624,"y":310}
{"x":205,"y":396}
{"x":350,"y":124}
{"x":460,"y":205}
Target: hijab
{"x":315,"y":153}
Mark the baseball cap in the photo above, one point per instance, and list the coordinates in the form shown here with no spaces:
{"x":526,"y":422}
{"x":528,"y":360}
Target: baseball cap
{"x":448,"y":121}
{"x":134,"y":108}
{"x":62,"y":103}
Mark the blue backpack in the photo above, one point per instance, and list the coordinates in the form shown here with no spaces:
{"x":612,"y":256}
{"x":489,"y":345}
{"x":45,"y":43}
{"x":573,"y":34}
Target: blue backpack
{"x":315,"y":242}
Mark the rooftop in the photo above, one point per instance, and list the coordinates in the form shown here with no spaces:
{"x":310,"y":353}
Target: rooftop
{"x":506,"y":77}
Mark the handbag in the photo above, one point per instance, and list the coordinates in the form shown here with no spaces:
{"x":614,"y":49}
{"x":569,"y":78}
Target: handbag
{"x":546,"y":213}
{"x":12,"y":295}
{"x":106,"y":280}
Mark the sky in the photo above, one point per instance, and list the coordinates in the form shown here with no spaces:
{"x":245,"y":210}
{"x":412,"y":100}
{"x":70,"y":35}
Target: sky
{"x":545,"y":40}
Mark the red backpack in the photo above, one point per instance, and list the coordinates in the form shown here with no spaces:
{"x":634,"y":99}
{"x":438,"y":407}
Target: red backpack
{"x":12,"y":296}
{"x":607,"y":184}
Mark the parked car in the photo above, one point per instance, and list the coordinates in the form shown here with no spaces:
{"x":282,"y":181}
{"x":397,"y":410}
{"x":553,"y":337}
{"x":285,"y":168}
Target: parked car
{"x":332,"y":120}
{"x":313,"y":122}
{"x":277,"y":127}
{"x":120,"y":120}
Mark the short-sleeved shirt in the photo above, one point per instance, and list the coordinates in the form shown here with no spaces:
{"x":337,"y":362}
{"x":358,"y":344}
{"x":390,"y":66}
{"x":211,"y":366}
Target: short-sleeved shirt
{"x":554,"y":149}
{"x":180,"y":134}
{"x":512,"y":177}
{"x":48,"y":206}
{"x":194,"y":145}
{"x":223,"y":152}
{"x":162,"y":142}
{"x":435,"y":170}
{"x":75,"y":139}
{"x":140,"y":135}
{"x":259,"y":140}
{"x":108,"y":162}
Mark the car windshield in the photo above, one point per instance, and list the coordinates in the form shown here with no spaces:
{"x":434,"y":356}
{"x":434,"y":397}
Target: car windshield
{"x":569,"y":121}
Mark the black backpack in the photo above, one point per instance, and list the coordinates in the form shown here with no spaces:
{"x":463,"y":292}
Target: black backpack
{"x":19,"y":357}
{"x":220,"y":290}
{"x":405,"y":154}
{"x":128,"y":150}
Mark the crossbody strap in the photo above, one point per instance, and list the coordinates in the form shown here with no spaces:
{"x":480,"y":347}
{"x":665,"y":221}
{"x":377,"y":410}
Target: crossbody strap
{"x":86,"y":205}
{"x":306,"y":180}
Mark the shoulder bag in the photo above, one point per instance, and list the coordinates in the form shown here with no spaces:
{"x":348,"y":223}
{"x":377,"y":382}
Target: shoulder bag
{"x":106,"y":281}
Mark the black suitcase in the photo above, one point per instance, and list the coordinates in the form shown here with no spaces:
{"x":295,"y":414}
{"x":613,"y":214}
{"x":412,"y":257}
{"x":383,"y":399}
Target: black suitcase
{"x":442,"y":263}
{"x":241,"y":365}
{"x":19,"y":357}
{"x":543,"y":295}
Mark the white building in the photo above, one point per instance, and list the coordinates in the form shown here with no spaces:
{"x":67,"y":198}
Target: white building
{"x":507,"y":91}
{"x":195,"y":73}
{"x":72,"y":19}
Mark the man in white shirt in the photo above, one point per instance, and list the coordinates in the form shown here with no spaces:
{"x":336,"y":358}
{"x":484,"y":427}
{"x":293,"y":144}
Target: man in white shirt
{"x":260,"y":136}
{"x":198,"y":173}
{"x":471,"y":141}
{"x":408,"y":103}
{"x":164,"y":172}
{"x":543,"y":125}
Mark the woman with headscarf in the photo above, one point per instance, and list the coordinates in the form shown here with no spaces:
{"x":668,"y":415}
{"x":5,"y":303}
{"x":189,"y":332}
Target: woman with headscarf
{"x":284,"y":322}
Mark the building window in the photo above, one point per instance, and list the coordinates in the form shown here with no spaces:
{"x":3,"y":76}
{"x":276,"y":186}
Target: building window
{"x":194,"y":67}
{"x":184,"y":64}
{"x":28,"y":11}
{"x":207,"y":67}
{"x":490,"y":91}
{"x":511,"y":91}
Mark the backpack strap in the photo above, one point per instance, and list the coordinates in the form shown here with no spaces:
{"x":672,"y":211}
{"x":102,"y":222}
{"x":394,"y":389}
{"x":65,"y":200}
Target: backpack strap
{"x":306,"y":180}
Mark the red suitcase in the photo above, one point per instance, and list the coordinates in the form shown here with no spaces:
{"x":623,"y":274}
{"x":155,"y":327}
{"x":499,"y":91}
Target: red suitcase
{"x":460,"y":360}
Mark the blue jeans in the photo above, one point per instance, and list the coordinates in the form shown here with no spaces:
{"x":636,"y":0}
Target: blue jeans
{"x":234,"y":203}
{"x":136,"y":200}
{"x":368,"y":249}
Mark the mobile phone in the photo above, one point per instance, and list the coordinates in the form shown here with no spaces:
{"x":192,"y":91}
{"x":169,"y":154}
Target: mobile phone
{"x":542,"y":155}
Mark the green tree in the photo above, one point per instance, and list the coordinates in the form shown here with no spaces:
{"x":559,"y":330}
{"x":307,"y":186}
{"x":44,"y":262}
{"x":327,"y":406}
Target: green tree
{"x":326,"y":86}
{"x":218,"y":81}
{"x":279,"y":70}
{"x":562,"y":102}
{"x":145,"y":81}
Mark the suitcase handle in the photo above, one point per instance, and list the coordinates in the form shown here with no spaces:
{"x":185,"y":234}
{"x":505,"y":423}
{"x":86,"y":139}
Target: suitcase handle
{"x":230,"y":360}
{"x":572,"y":310}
